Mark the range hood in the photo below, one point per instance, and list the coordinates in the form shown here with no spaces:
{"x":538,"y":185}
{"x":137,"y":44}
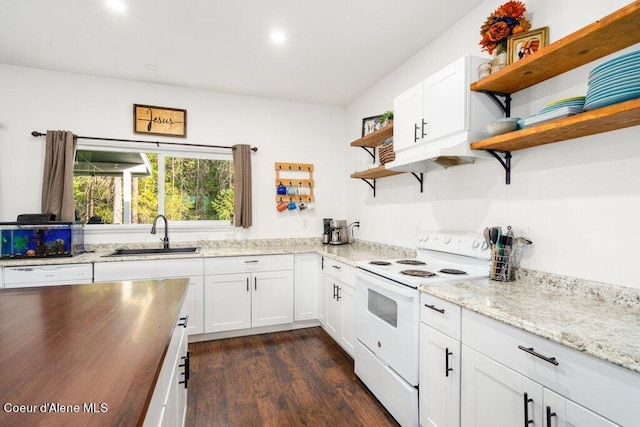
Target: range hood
{"x":450,"y":151}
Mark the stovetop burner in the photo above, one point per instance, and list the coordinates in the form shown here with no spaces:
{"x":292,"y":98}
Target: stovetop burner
{"x":380,"y":262}
{"x":452,"y":271}
{"x":418,"y":273}
{"x":410,"y":262}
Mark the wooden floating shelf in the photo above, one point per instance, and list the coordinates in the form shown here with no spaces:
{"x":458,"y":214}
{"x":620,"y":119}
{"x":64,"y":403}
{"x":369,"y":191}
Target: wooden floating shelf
{"x":375,"y":138}
{"x":608,"y":35}
{"x":375,"y":173}
{"x":612,"y":117}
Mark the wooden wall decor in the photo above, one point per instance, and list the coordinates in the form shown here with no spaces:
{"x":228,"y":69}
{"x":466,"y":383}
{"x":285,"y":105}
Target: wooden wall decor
{"x":154,"y":120}
{"x":298,"y":175}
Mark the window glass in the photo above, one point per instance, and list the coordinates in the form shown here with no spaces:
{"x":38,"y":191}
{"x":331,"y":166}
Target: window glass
{"x":382,"y":307}
{"x":128,"y":187}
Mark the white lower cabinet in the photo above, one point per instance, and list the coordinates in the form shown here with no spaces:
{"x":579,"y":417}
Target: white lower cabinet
{"x":439,"y":379}
{"x":339,"y":303}
{"x":498,"y":396}
{"x":562,"y":412}
{"x":261,"y":295}
{"x":439,"y":394}
{"x":307,"y":269}
{"x":168,"y":406}
{"x":511,"y":377}
{"x":494,"y":395}
{"x":191,"y":269}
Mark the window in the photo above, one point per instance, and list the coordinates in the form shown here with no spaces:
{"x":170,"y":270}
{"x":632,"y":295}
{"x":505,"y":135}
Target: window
{"x":125,"y":186}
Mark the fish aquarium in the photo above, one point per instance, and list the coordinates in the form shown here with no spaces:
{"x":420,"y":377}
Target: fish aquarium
{"x":43,"y":240}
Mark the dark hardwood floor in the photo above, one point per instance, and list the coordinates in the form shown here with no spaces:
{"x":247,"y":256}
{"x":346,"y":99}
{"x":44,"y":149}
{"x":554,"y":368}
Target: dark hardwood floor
{"x":294,"y":378}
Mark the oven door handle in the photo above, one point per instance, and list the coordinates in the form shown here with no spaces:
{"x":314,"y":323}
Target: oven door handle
{"x":383,"y":284}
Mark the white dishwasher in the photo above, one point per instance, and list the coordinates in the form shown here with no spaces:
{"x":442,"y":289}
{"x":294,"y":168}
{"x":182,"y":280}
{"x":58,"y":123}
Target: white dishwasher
{"x":47,"y":275}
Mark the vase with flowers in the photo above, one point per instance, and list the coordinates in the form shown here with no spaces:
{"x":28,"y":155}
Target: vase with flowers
{"x":506,"y":20}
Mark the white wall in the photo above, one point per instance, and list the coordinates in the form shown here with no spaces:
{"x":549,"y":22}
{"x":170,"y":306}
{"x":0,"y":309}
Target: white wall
{"x":283,"y":131}
{"x":580,"y":199}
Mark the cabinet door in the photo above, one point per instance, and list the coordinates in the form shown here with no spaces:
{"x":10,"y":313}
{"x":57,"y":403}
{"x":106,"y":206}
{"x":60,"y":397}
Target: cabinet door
{"x":494,"y":395}
{"x":227,"y":302}
{"x":272,"y":302}
{"x":561,"y":412}
{"x":334,"y":312}
{"x":439,"y":379}
{"x":307,"y":283}
{"x":194,"y":305}
{"x":445,"y":101}
{"x":407,"y":123}
{"x":346,"y":298}
{"x":323,"y":299}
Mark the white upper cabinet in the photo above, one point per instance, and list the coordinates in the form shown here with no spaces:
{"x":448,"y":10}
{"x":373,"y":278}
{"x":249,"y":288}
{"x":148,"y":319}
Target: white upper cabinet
{"x":407,"y":117}
{"x":436,"y":120}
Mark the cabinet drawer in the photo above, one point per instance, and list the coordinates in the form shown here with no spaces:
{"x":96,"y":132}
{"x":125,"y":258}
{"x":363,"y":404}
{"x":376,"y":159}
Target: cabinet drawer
{"x":340,"y":270}
{"x":248,"y":264}
{"x":604,"y":388}
{"x":441,"y":315}
{"x":150,"y":269}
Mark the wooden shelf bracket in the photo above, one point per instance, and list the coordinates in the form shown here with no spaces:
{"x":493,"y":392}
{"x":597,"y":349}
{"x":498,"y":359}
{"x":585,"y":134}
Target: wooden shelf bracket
{"x":506,"y":163}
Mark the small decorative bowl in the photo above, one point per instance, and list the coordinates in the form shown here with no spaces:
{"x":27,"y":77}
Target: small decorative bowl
{"x":500,"y":126}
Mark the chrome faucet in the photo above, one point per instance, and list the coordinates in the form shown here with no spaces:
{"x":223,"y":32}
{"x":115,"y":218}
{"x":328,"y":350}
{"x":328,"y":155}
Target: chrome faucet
{"x":165,"y":241}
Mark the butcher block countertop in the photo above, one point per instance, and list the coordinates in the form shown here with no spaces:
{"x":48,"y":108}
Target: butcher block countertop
{"x":93,"y":351}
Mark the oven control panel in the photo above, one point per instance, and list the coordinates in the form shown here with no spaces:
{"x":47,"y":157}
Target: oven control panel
{"x":455,"y":242}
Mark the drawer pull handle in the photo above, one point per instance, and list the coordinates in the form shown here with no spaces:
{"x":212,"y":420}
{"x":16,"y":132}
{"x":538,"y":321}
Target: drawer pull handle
{"x":252,"y":261}
{"x":527,"y":421}
{"x":337,"y":267}
{"x":447,"y":369}
{"x":549,"y":416}
{"x":434,"y":308}
{"x":530,"y":350}
{"x":184,"y":321}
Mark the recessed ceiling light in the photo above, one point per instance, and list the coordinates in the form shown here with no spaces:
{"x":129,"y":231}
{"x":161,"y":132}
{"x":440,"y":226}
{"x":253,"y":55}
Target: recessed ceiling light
{"x":278,"y":37}
{"x":118,"y":6}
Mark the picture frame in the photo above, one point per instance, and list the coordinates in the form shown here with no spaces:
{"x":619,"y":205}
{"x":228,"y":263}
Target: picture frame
{"x":522,"y":45}
{"x":370,"y":124}
{"x":151,"y":119}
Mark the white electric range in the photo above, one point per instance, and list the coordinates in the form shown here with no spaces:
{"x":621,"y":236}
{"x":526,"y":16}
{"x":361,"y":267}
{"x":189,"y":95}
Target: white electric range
{"x":388,"y":313}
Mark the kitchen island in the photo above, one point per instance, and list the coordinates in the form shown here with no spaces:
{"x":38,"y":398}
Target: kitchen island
{"x":84,"y":354}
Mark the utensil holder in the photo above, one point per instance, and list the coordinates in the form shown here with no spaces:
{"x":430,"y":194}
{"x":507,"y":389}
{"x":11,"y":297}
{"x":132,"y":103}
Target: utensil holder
{"x":501,"y":263}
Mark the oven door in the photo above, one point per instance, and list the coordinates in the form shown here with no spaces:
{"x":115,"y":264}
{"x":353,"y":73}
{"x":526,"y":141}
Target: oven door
{"x":387,"y":323}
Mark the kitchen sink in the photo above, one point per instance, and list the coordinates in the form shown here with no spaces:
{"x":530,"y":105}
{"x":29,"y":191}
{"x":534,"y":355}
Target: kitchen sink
{"x":153,"y":251}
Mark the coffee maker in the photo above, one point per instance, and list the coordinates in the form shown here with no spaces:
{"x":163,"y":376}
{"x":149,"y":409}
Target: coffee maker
{"x":326,"y":235}
{"x":339,"y":234}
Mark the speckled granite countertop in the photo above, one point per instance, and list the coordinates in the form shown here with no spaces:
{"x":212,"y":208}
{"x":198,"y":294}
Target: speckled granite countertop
{"x":596,"y":319}
{"x":349,"y":254}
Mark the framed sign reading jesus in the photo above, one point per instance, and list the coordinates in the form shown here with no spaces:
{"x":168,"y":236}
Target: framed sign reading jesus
{"x":159,"y":120}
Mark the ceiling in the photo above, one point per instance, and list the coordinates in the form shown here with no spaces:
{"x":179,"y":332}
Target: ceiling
{"x":334,"y":50}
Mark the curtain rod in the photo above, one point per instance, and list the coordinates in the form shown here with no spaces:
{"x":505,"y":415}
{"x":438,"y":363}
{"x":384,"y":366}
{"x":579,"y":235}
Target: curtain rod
{"x":157,"y":143}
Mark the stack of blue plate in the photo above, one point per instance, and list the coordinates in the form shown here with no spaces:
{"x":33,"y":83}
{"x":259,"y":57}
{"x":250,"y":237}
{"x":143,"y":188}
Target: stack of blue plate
{"x":555,"y":110}
{"x":614,"y":81}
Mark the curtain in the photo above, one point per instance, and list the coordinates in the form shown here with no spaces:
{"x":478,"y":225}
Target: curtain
{"x":242,"y":201}
{"x":57,"y":180}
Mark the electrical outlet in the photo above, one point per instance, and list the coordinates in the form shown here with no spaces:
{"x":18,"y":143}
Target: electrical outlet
{"x":305,"y":223}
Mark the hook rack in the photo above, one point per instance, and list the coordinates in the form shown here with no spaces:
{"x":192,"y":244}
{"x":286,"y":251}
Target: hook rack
{"x":298,"y":175}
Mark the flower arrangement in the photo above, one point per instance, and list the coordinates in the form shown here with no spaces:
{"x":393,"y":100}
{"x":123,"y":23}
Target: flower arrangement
{"x":506,"y":20}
